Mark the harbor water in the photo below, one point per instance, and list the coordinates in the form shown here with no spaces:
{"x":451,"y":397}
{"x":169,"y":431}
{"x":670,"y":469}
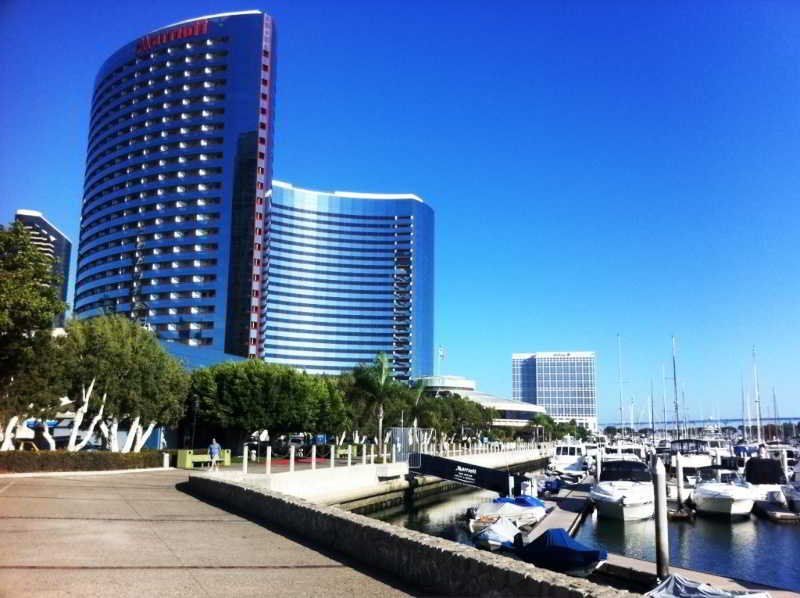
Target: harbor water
{"x":751,"y":549}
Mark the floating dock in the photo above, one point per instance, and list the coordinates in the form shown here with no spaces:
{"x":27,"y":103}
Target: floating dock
{"x":775,"y":513}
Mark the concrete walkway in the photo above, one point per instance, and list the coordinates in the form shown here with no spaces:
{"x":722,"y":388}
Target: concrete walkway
{"x":137,"y":535}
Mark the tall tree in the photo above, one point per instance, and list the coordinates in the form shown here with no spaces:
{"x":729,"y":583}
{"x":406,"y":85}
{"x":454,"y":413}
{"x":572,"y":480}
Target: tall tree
{"x":124,"y":378}
{"x":29,"y":303}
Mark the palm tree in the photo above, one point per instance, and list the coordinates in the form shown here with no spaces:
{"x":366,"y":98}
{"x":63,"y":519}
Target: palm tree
{"x":384,"y":367}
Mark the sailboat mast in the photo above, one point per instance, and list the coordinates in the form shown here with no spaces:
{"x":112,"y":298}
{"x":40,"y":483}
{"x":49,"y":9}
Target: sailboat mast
{"x":619,"y":379}
{"x":675,"y":389}
{"x":652,"y":415}
{"x":744,"y":410}
{"x":685,"y":412}
{"x":633,"y":428}
{"x":775,"y":413}
{"x":758,"y":397}
{"x":664,"y":397}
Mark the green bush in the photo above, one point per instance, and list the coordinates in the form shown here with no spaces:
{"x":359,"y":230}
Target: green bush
{"x":29,"y":461}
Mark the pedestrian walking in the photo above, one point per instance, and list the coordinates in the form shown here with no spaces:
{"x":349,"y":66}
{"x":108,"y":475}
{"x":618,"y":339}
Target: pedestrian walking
{"x":214,"y":450}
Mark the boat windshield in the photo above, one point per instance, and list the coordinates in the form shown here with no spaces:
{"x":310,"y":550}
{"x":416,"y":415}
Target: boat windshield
{"x":689,"y":446}
{"x":709,"y":474}
{"x":631,"y":471}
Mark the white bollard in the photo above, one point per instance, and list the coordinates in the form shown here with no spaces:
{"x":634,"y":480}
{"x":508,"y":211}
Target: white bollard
{"x":165,"y":461}
{"x":349,"y":455}
{"x":244,"y":458}
{"x":333,"y":456}
{"x":269,"y":460}
{"x":363,"y":454}
{"x":291,"y":458}
{"x":313,"y":457}
{"x":372,"y":454}
{"x":394,"y":453}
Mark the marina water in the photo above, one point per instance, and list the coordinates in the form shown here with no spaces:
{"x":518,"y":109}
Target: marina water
{"x":752,"y":549}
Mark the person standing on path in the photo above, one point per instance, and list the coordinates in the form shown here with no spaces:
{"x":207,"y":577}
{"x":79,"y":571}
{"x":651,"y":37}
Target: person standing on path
{"x":214,"y":450}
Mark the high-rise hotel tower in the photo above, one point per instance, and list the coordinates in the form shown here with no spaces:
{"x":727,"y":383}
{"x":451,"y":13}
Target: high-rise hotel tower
{"x":46,"y":237}
{"x":180,"y":228}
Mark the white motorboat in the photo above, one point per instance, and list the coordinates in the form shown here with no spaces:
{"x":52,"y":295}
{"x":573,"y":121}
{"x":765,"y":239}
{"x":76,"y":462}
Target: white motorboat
{"x":569,"y":459}
{"x":625,"y":489}
{"x":719,"y":449}
{"x":722,"y":492}
{"x":522,"y":511}
{"x":493,"y":532}
{"x":695,"y":453}
{"x":626,"y":448}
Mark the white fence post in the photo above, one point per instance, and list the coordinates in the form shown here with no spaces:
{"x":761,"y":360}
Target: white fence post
{"x":291,"y":458}
{"x":313,"y":457}
{"x":269,"y":460}
{"x":333,"y":456}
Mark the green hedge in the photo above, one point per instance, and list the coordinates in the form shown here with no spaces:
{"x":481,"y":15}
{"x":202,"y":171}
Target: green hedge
{"x":29,"y":461}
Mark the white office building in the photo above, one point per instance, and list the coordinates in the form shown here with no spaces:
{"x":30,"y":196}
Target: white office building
{"x":564,"y":383}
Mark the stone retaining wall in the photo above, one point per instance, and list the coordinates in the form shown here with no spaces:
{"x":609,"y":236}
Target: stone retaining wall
{"x":434,"y":565}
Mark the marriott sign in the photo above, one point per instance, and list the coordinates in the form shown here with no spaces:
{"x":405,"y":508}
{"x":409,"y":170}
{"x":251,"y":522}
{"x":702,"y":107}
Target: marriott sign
{"x":148,"y":42}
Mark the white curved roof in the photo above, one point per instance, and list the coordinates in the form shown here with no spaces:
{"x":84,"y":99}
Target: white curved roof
{"x":351,"y":194}
{"x":216,"y":16}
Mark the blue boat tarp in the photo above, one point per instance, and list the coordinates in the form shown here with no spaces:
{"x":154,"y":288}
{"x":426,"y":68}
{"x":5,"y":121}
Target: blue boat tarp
{"x":555,"y":549}
{"x":521,"y":501}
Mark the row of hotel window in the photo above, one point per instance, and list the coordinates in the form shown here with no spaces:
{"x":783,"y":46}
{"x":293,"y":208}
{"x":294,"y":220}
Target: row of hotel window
{"x":131,"y":240}
{"x":118,"y":77}
{"x":161,"y":145}
{"x":184,"y":130}
{"x":159,"y":177}
{"x":164,"y":192}
{"x":133,"y":164}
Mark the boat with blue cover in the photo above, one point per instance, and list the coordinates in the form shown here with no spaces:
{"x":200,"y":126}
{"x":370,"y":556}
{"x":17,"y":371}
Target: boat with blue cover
{"x":556,"y":550}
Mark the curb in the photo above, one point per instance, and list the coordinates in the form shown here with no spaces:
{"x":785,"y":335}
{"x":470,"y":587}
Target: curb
{"x":40,"y":474}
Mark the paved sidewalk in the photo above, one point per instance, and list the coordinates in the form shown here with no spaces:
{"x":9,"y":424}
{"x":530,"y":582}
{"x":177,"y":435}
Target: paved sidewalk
{"x":137,"y":535}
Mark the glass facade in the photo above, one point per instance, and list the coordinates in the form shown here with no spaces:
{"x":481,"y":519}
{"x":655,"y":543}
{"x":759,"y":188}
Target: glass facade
{"x":181,"y":228}
{"x":563,"y":383}
{"x":348,"y":275}
{"x":53,"y":243}
{"x":178,"y":170}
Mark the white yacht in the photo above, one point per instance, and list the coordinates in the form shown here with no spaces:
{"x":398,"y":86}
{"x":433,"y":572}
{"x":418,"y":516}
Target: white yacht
{"x":625,"y":489}
{"x":695,"y":454}
{"x":722,"y":492}
{"x":569,"y":459}
{"x":626,"y":448}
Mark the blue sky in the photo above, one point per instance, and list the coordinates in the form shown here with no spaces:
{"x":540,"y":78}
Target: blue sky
{"x":596,"y":168}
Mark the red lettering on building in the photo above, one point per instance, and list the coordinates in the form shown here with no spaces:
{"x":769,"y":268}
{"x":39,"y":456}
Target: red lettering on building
{"x":148,"y":42}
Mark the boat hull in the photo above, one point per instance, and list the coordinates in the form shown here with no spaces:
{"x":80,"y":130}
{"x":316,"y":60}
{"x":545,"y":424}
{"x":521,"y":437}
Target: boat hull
{"x":720,"y":505}
{"x":624,"y":512}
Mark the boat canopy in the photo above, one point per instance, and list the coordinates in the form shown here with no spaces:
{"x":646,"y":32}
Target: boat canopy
{"x":624,"y":470}
{"x":676,"y":586}
{"x":764,"y":471}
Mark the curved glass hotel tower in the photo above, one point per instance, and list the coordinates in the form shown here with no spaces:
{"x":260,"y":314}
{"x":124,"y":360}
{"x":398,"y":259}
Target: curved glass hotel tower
{"x":348,"y":275}
{"x":181,"y":228}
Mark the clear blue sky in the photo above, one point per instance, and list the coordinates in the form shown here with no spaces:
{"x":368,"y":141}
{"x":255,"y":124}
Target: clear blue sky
{"x":595,"y":167}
